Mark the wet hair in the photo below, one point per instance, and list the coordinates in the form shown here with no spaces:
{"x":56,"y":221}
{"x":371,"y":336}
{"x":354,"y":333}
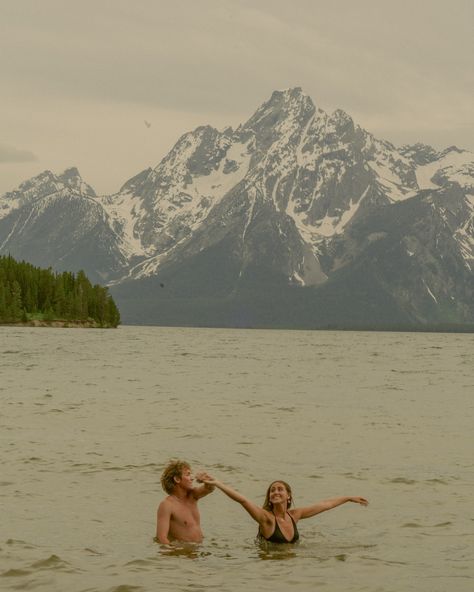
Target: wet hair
{"x":173,"y":469}
{"x":267,"y":504}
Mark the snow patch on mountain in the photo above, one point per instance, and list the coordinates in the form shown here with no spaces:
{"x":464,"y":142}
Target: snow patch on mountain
{"x":451,"y":166}
{"x":124,"y":210}
{"x":208,"y":190}
{"x":389,"y":181}
{"x":429,"y":291}
{"x":189,"y":194}
{"x":35,"y":188}
{"x":9,"y":203}
{"x":142,"y":269}
{"x":394,"y":172}
{"x":325,"y":227}
{"x":329,"y":226}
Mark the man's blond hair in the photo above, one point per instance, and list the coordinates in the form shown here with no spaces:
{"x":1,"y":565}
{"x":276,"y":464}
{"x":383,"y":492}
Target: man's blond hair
{"x":173,"y":469}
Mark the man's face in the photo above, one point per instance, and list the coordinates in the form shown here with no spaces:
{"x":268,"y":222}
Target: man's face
{"x":186,"y":479}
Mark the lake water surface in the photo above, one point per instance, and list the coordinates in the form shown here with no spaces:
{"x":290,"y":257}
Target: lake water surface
{"x":88,"y":419}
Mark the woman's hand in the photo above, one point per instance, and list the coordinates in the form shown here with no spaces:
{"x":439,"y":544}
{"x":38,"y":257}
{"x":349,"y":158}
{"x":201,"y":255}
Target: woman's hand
{"x":359,"y":500}
{"x":203,"y":477}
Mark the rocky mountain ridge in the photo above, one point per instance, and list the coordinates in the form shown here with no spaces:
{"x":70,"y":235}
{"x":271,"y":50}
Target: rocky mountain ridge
{"x":294,"y":198}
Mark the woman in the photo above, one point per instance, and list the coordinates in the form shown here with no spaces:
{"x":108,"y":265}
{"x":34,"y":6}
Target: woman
{"x":276,"y":522}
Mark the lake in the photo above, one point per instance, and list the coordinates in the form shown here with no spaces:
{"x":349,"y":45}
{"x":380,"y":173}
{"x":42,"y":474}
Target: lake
{"x":90,"y":417}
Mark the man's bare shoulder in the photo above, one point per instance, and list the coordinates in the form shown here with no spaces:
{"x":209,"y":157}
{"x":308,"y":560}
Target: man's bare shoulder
{"x":166,"y":504}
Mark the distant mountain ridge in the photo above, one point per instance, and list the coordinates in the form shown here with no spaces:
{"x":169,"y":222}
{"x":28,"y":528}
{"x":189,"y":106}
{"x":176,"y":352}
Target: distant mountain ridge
{"x":296,"y":218}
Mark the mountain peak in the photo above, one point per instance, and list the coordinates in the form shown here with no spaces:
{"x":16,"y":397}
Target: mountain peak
{"x":291,"y":103}
{"x":342,"y":124}
{"x":73,"y":180}
{"x":340,"y":115}
{"x":69,"y":173}
{"x":295,"y":92}
{"x":291,"y":97}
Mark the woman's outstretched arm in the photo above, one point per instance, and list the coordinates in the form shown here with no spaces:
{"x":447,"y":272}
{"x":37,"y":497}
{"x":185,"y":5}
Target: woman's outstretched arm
{"x":324,"y":505}
{"x":257,"y":513}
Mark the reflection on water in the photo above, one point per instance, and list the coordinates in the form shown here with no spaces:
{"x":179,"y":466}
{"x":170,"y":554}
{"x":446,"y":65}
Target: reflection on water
{"x":88,"y":419}
{"x":271,"y":551}
{"x":188,"y":550}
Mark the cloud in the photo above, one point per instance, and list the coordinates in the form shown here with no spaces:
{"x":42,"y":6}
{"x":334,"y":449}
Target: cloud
{"x":227,"y":56}
{"x":12,"y":154}
{"x":79,"y":79}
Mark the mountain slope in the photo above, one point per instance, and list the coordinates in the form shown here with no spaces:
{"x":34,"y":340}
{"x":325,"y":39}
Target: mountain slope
{"x":56,"y":221}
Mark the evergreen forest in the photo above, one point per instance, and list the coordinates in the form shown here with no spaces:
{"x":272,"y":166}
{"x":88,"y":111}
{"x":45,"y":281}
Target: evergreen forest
{"x":29,"y":294}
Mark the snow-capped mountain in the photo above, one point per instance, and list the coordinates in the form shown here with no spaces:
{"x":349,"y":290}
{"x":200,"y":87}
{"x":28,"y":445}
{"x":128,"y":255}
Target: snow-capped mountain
{"x":58,"y":221}
{"x":269,"y":224}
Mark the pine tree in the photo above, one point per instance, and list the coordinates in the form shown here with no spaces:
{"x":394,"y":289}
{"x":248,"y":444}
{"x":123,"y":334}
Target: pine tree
{"x":16,"y":307}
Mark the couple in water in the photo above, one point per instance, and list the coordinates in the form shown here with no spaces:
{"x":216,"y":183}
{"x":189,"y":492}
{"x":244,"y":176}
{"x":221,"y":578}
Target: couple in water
{"x":178,"y":514}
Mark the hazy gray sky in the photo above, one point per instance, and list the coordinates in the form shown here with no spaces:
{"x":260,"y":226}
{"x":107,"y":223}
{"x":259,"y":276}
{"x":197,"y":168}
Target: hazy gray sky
{"x":79,"y":79}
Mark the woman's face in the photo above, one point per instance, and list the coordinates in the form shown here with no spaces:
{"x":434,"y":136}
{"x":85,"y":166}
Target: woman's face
{"x":278,"y":493}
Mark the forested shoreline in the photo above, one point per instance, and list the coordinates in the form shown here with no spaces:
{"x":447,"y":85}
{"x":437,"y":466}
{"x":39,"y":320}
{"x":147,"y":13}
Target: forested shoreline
{"x":31,"y":295}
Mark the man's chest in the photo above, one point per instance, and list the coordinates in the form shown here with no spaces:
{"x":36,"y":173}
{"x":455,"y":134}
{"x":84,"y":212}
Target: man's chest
{"x":186,"y":515}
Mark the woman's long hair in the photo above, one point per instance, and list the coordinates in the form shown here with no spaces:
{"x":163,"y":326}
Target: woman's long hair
{"x":267,"y":504}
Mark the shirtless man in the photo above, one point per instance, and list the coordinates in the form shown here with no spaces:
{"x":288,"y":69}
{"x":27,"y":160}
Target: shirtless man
{"x":178,"y":514}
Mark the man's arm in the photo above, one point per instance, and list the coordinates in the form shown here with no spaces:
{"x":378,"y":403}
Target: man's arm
{"x":163,"y":517}
{"x":323,"y":506}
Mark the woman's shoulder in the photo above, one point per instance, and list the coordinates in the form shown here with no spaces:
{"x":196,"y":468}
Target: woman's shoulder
{"x":268,"y":516}
{"x":295,"y":514}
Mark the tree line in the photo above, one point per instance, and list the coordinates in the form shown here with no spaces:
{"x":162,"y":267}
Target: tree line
{"x":28,"y":292}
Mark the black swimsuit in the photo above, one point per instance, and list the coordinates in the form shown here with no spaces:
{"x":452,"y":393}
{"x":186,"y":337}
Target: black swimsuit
{"x":278,"y":536}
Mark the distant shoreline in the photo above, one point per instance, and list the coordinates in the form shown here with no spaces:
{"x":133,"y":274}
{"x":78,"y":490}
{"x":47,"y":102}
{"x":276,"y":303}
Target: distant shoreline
{"x":467,"y":329}
{"x":459,"y":329}
{"x":59,"y":324}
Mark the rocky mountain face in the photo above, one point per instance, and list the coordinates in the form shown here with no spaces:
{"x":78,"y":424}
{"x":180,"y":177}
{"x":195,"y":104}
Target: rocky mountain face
{"x":57,"y":221}
{"x":297,"y":218}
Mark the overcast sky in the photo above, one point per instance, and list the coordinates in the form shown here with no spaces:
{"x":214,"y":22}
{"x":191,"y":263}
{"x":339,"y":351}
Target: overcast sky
{"x":79,"y":79}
